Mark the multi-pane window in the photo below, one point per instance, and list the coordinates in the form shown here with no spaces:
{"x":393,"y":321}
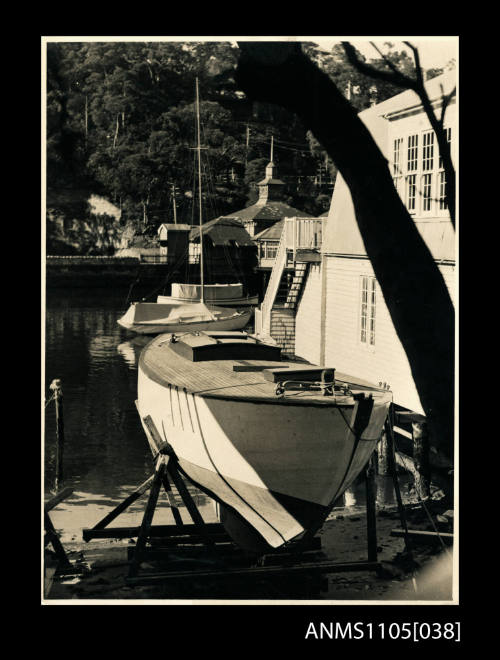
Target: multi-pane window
{"x":420,"y":179}
{"x":367,"y":310}
{"x":442,"y":191}
{"x":411,"y":191}
{"x":271,"y":250}
{"x":428,"y":151}
{"x":268,"y":250}
{"x":396,"y":164}
{"x":426,"y":192}
{"x":396,"y":160}
{"x":412,"y":153}
{"x":448,"y":139}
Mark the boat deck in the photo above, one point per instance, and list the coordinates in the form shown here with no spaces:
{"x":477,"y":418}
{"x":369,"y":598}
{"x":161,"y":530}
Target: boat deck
{"x":232,"y":378}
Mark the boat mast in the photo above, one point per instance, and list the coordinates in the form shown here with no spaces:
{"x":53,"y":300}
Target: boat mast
{"x":173,"y":201}
{"x":199,"y":188}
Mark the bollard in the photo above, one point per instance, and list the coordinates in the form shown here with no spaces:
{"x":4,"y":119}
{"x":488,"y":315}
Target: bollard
{"x":56,"y":388}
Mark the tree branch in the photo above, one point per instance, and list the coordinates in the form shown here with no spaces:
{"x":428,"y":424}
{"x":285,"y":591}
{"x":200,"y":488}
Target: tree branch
{"x":418,"y":86}
{"x":396,"y":77}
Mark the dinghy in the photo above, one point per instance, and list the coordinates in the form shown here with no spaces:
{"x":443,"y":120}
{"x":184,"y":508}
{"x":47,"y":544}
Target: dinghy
{"x":273,"y":442}
{"x":154,"y":318}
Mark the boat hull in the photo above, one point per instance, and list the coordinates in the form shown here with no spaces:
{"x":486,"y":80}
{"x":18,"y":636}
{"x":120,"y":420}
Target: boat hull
{"x":236,"y":321}
{"x":223,"y":295}
{"x":229,"y":302}
{"x":275,"y":467}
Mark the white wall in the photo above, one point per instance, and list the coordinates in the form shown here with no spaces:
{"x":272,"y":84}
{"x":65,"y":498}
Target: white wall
{"x":386,"y":361}
{"x":308,"y":317}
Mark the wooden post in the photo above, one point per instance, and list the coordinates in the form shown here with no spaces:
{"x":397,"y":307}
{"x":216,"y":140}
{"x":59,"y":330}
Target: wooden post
{"x":371,"y":513}
{"x":421,"y":448}
{"x":148,"y":517}
{"x":123,"y":505}
{"x":171,"y":500}
{"x":382,"y":462}
{"x":56,"y":388}
{"x":391,"y":455}
{"x":51,"y":537}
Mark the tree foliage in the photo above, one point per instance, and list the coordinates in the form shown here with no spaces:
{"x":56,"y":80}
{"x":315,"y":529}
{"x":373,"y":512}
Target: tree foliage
{"x":121,"y":121}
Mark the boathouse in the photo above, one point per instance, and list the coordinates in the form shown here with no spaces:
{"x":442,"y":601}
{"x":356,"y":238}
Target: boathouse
{"x":338,"y":315}
{"x":229,"y":252}
{"x":264,"y":221}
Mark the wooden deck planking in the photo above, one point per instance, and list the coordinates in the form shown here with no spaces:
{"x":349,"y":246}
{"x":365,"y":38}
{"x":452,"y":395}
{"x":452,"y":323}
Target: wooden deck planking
{"x":217,"y":378}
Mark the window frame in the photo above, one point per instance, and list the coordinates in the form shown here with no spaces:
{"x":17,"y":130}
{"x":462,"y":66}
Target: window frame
{"x":367,"y":312}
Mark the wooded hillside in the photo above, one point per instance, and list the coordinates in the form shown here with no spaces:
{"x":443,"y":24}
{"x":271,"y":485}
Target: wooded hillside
{"x":121,"y":124}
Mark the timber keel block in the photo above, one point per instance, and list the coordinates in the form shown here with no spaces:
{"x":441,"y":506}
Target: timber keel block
{"x":256,"y":572}
{"x":179,"y":533}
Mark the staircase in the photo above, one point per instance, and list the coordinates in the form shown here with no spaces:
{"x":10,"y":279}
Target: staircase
{"x":293,"y":293}
{"x":276,"y":314}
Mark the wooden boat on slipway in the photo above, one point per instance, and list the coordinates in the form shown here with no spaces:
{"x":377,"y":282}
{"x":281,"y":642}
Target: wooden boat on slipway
{"x":275,"y":443}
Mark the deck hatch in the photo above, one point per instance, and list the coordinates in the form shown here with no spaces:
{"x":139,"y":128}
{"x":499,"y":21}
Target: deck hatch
{"x":201,"y":347}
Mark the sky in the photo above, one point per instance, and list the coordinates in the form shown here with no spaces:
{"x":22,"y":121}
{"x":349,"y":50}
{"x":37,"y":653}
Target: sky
{"x":433,"y":51}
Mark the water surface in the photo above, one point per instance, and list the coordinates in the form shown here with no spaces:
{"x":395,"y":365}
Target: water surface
{"x":106,"y":452}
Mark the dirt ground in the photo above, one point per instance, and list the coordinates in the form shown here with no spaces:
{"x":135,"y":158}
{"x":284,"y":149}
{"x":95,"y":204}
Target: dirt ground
{"x":426,"y":576}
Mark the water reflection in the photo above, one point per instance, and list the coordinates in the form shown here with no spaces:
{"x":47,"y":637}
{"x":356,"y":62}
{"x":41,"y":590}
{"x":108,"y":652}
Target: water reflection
{"x":130,"y":350}
{"x":106,"y":453}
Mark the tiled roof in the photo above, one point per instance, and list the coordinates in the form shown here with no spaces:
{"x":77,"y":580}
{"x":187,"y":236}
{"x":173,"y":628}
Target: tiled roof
{"x":271,"y":233}
{"x":222,"y":230}
{"x":270,"y":211}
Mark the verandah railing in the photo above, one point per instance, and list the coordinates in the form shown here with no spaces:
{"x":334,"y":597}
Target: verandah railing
{"x":297,"y":234}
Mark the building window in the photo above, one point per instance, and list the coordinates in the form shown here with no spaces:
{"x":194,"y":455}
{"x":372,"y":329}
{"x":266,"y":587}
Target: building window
{"x":268,"y":250}
{"x":426,"y":192}
{"x":411,"y":190}
{"x":442,"y":191}
{"x":442,"y":184}
{"x":448,"y":139}
{"x":418,"y":175}
{"x":428,"y":151}
{"x":271,"y":251}
{"x":367,"y":310}
{"x":412,"y":153}
{"x":396,"y":162}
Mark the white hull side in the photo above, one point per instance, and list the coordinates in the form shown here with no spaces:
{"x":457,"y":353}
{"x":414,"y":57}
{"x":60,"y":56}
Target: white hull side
{"x":232,"y":323}
{"x":262,"y":459}
{"x":229,"y":302}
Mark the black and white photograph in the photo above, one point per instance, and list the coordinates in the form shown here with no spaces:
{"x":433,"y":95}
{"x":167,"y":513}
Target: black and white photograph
{"x":249,"y":288}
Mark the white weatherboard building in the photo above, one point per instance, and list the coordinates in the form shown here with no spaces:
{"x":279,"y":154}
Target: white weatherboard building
{"x":340,"y":318}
